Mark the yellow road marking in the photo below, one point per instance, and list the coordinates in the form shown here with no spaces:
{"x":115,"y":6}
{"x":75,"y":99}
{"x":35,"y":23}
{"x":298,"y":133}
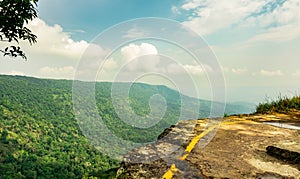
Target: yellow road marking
{"x":184,"y":157}
{"x":170,"y":173}
{"x":196,"y":139}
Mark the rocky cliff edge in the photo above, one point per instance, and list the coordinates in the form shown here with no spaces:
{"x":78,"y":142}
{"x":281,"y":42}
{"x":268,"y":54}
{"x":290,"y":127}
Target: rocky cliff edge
{"x":241,"y":146}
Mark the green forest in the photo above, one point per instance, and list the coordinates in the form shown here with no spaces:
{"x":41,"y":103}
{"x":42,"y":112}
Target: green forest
{"x":40,"y":136}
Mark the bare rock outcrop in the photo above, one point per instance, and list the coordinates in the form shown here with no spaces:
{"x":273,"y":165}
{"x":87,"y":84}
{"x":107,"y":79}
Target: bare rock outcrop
{"x":244,"y":146}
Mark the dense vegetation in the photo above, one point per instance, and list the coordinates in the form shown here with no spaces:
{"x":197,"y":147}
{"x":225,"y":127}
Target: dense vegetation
{"x":40,"y":136}
{"x":282,"y":104}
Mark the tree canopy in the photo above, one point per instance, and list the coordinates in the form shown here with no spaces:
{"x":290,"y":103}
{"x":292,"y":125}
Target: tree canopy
{"x":40,"y":136}
{"x":14,"y":15}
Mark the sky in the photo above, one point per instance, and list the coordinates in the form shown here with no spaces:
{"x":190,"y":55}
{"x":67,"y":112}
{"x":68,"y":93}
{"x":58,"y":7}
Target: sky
{"x":256,"y":44}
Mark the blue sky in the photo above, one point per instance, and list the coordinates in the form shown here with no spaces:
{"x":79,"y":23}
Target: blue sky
{"x":94,"y":16}
{"x":257,"y":42}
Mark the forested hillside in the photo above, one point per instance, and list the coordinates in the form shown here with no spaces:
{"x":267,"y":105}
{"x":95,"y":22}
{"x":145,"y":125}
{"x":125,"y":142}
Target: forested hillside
{"x":38,"y":132}
{"x":40,"y":136}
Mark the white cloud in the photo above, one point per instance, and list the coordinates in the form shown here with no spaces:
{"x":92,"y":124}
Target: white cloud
{"x":287,"y":21}
{"x":78,"y":31}
{"x":56,"y":54}
{"x":234,"y":70}
{"x":238,"y":70}
{"x":91,"y":61}
{"x":175,"y":10}
{"x":52,"y":40}
{"x":296,"y":73}
{"x":142,"y":57}
{"x":276,"y":21}
{"x":271,"y":73}
{"x":287,"y":13}
{"x":194,"y":69}
{"x":129,"y":61}
{"x":14,"y":72}
{"x":179,"y":69}
{"x":135,"y":33}
{"x":132,"y":51}
{"x":145,"y":58}
{"x":278,"y":34}
{"x":213,"y":15}
{"x":66,"y":72}
{"x":191,"y":4}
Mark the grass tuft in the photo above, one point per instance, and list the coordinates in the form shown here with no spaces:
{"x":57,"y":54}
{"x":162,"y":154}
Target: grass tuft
{"x":283,"y":104}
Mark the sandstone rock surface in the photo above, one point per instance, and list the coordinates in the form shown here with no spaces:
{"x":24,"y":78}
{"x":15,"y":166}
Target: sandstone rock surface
{"x":237,"y":150}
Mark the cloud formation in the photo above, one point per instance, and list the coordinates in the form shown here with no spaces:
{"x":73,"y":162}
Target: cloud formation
{"x":135,"y":33}
{"x":52,"y":40}
{"x":14,"y":72}
{"x":132,"y":50}
{"x":271,"y":73}
{"x":179,"y":69}
{"x":143,"y":57}
{"x":276,"y":20}
{"x":296,"y":73}
{"x":210,"y":16}
{"x":236,"y":71}
{"x":57,"y":72}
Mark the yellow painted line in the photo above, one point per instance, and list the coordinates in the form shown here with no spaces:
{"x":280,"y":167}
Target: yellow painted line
{"x":196,"y":139}
{"x":170,"y":173}
{"x":184,"y":157}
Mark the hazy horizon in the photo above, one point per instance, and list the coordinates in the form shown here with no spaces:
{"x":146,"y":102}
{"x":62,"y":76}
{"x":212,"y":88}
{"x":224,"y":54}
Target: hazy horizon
{"x":256,"y":44}
{"x":235,"y":101}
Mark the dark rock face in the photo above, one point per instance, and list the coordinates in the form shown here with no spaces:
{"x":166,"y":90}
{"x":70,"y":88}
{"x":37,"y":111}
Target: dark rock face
{"x":165,"y":132}
{"x":284,"y":154}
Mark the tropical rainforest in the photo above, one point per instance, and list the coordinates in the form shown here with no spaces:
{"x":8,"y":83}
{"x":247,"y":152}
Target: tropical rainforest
{"x":40,"y":136}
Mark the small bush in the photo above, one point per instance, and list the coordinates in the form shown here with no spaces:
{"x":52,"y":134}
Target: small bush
{"x":283,"y":104}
